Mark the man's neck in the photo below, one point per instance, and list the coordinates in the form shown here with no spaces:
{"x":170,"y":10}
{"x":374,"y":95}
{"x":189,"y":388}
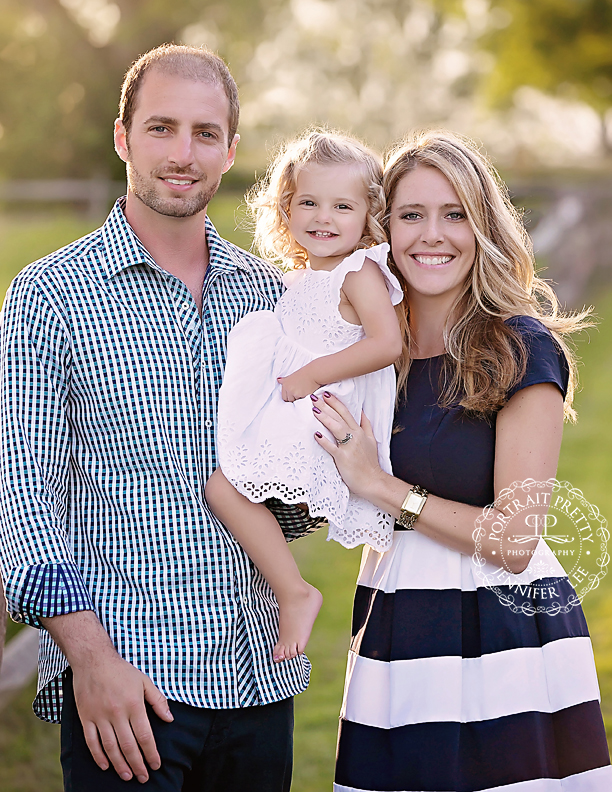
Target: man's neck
{"x":177,"y":244}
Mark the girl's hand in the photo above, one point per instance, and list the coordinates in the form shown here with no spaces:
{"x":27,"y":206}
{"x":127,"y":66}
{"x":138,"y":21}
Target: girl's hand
{"x":298,"y":385}
{"x":357,"y":459}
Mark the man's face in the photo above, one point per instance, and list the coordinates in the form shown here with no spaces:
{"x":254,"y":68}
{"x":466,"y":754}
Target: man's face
{"x":177,"y":148}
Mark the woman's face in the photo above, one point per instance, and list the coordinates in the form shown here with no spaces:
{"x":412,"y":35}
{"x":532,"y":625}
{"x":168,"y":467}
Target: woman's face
{"x":432,"y":241}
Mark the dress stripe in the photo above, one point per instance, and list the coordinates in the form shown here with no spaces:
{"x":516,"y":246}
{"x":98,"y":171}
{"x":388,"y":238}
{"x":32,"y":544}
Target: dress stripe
{"x":597,"y":780}
{"x":485,"y":625}
{"x":389,"y":695}
{"x":494,"y":753}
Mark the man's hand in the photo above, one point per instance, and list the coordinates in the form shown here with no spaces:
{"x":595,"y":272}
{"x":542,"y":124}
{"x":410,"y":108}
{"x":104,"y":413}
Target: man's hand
{"x":298,"y":385}
{"x":110,"y":699}
{"x":110,"y":696}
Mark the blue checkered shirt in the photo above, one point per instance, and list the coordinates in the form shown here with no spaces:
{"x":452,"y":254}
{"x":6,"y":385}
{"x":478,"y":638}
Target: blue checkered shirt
{"x":108,"y":403}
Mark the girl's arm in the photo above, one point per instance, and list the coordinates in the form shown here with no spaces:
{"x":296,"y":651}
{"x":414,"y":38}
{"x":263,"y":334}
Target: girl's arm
{"x":367,"y":293}
{"x":528,"y":441}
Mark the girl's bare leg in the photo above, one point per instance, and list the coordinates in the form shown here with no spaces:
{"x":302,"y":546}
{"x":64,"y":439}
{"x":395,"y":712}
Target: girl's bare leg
{"x":261,"y":537}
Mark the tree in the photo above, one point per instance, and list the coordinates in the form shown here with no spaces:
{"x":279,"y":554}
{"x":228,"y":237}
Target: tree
{"x":562,"y":47}
{"x":62,"y":63}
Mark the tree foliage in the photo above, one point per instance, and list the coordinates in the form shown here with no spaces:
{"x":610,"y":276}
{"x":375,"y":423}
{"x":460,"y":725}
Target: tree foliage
{"x":60,"y":78}
{"x":374,"y":67}
{"x":562,"y":47}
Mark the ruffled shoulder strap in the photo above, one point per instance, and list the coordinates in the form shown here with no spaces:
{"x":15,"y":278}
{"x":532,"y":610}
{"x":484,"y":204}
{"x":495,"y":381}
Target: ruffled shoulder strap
{"x":354,"y":263}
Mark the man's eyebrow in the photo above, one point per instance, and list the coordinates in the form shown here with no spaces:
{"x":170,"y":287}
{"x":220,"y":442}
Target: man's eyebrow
{"x":168,"y":121}
{"x":161,"y":120}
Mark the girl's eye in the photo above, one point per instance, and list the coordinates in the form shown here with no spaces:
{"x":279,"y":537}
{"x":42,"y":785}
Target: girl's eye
{"x":307,"y":203}
{"x":344,"y":206}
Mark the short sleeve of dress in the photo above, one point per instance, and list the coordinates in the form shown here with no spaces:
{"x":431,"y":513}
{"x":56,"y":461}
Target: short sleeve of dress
{"x":354,"y":262}
{"x":546,"y":362}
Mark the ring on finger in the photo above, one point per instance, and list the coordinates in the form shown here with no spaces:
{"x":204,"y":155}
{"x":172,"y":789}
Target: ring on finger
{"x":345,"y":440}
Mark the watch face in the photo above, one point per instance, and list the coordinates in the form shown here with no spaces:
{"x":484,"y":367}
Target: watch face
{"x":414,"y":503}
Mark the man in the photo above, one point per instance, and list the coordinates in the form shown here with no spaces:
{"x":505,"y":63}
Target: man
{"x":157,"y":632}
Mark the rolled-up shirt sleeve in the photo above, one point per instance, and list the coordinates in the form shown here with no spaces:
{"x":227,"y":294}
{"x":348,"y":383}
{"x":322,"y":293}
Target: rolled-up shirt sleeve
{"x":38,"y":565}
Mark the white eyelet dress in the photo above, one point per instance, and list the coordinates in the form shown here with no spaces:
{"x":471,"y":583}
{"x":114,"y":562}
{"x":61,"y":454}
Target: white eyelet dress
{"x":266,"y":446}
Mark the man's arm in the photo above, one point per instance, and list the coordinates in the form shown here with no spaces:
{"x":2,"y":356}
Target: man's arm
{"x":44,"y":586}
{"x":110,"y":695}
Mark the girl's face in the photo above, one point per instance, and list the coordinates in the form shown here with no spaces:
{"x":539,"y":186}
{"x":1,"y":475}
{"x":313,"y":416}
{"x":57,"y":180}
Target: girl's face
{"x":432,"y":241}
{"x":327,"y":214}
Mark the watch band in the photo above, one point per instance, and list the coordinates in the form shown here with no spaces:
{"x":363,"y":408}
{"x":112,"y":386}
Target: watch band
{"x":412,"y":507}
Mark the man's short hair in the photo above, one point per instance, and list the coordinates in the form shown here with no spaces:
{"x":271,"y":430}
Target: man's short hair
{"x":192,"y":63}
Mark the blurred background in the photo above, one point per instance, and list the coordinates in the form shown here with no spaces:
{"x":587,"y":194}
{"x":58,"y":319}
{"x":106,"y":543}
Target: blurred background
{"x":530,"y":81}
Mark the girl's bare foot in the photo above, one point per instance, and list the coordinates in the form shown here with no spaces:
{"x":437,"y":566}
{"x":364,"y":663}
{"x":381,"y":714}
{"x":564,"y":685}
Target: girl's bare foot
{"x":297,"y":615}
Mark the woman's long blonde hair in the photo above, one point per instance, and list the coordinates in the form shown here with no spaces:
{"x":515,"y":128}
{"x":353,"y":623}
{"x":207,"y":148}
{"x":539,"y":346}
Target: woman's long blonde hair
{"x":270,"y":199}
{"x":484,"y":356}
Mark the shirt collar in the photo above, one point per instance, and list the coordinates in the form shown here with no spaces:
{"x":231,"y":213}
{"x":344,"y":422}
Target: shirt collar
{"x":123,"y":249}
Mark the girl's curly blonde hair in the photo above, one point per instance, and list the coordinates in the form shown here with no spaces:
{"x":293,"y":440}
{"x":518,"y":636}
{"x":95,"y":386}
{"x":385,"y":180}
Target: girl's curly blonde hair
{"x":270,"y":199}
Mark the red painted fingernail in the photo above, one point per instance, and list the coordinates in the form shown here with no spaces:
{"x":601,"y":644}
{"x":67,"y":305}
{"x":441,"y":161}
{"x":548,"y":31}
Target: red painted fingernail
{"x":326,"y":394}
{"x":313,"y":397}
{"x":318,"y":434}
{"x":316,"y":410}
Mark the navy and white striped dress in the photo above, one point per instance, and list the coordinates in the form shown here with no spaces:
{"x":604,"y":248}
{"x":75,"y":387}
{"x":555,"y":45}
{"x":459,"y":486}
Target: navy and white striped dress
{"x":447,"y":689}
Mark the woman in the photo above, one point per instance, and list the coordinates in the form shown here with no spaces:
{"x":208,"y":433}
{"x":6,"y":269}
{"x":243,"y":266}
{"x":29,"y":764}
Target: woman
{"x":448,"y":688}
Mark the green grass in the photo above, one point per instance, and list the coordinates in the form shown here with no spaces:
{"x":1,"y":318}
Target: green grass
{"x":29,"y":755}
{"x":586,"y":462}
{"x":333,"y":570}
{"x":29,"y":748}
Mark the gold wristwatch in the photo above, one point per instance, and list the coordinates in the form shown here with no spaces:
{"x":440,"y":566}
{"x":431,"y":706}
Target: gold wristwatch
{"x":412,"y":507}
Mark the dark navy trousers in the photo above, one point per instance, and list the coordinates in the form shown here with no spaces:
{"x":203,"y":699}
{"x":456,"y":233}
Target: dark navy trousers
{"x":202,"y":750}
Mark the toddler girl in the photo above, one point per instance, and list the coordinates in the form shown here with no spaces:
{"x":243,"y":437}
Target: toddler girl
{"x":334,"y":329}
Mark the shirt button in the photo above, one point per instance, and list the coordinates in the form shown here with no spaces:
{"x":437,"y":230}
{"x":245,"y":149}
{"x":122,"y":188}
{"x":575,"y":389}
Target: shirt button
{"x":185,"y":306}
{"x":208,"y":423}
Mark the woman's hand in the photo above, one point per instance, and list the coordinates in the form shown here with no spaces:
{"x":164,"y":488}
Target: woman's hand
{"x":357,"y":459}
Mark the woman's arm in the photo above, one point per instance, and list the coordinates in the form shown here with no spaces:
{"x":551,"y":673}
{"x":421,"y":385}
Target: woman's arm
{"x":367,"y":293}
{"x":528,"y":441}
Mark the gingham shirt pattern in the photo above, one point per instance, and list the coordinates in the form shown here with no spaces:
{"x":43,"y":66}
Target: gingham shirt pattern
{"x":107,"y":407}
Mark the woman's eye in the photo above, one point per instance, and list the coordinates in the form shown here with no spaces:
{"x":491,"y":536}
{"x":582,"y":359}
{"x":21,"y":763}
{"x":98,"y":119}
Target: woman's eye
{"x":410,"y":216}
{"x":456,"y":216}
